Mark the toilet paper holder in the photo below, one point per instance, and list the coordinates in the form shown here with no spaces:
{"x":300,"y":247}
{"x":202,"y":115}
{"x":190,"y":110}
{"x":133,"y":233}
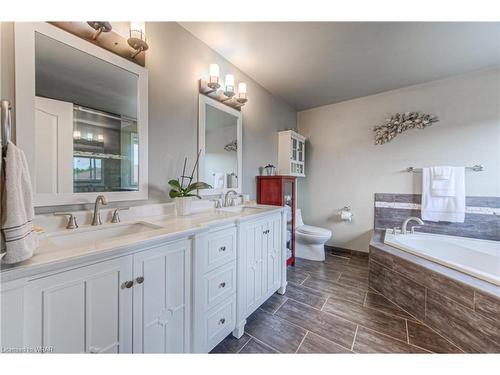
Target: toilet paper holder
{"x":346,"y":214}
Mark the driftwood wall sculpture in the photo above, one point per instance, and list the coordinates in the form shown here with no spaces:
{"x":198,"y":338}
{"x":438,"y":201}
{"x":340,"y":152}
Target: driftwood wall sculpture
{"x":399,"y":123}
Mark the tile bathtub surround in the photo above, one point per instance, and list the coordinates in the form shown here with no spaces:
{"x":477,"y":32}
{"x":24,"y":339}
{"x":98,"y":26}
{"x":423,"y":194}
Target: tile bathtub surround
{"x":464,"y":315}
{"x":331,"y":314}
{"x":482,"y":218}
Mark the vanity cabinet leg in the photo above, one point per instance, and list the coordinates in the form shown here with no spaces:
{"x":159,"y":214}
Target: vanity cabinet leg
{"x":282,"y":289}
{"x":240,"y":329}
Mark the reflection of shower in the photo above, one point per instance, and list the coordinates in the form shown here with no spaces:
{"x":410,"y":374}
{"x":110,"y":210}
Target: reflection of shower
{"x":232,"y":146}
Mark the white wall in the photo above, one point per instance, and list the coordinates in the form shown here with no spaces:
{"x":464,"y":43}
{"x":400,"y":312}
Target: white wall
{"x":344,"y":167}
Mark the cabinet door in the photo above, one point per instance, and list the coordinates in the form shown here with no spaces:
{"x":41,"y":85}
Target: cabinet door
{"x":86,"y":310}
{"x":273,"y":254}
{"x":255,"y":243}
{"x":161,"y":300}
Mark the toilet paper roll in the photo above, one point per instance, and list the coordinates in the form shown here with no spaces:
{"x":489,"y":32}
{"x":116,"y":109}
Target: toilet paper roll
{"x":346,"y":215}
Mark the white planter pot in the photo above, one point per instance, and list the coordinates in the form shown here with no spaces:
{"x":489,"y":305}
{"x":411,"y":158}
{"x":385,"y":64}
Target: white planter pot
{"x":183,"y":205}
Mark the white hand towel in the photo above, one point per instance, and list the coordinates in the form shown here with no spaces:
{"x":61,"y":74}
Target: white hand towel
{"x":17,"y":212}
{"x":442,"y":181}
{"x":444,"y":208}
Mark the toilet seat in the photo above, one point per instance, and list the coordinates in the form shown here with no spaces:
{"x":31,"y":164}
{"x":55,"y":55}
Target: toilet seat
{"x":314,"y":231}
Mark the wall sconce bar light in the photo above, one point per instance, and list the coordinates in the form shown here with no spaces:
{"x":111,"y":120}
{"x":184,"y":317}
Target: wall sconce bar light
{"x":137,"y":39}
{"x":99,"y":27}
{"x":223,"y":92}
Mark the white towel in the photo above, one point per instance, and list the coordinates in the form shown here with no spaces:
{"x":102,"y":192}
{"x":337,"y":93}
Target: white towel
{"x":442,"y":181}
{"x":19,"y":239}
{"x":444,"y":208}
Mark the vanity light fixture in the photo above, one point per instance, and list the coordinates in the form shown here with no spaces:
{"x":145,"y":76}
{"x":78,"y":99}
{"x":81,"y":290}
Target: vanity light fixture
{"x":213,"y":79}
{"x":229,"y":86}
{"x":137,"y":38}
{"x":242,"y":93}
{"x":99,"y":27}
{"x":100,"y":138}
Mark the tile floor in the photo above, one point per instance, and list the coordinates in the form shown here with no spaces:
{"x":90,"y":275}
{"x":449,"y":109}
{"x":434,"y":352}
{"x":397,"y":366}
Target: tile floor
{"x":329,"y":308}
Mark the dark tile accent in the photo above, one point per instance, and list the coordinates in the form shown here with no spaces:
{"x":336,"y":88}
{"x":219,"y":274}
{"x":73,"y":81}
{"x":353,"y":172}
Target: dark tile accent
{"x":296,"y":275}
{"x":475,"y":225}
{"x":230,"y":344}
{"x":368,"y":341}
{"x":273,"y":303}
{"x":276,"y":332}
{"x":424,"y":337}
{"x":379,"y":302}
{"x":458,"y":291}
{"x":336,"y":289}
{"x":487,"y":305}
{"x":373,"y":319}
{"x":314,"y":344}
{"x":329,"y":326}
{"x":471,"y":331}
{"x":404,"y":292}
{"x":340,"y":251}
{"x":306,"y":295}
{"x":257,"y":347}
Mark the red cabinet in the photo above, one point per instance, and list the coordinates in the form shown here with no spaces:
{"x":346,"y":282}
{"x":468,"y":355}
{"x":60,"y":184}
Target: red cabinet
{"x":281,"y":191}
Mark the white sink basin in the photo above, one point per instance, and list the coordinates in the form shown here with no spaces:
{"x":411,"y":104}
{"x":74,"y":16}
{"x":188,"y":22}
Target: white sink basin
{"x":241,"y":209}
{"x":91,"y":235}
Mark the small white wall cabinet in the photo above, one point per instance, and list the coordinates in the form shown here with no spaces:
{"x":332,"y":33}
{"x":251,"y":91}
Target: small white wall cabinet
{"x":162,"y":299}
{"x":85,"y":310}
{"x":291,"y":154}
{"x":100,"y":307}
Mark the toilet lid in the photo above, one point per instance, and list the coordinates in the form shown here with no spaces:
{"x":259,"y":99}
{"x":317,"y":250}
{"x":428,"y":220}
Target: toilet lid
{"x":315,"y":231}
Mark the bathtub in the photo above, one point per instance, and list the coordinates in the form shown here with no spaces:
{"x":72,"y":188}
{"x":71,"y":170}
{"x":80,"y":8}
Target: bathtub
{"x":478,"y":258}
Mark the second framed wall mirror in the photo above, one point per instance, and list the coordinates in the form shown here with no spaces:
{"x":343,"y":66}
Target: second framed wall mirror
{"x":220,"y":141}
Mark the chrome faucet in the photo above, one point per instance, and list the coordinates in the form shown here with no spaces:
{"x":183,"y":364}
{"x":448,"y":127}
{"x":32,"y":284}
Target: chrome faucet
{"x":96,"y":218}
{"x":404,"y":229}
{"x":226,"y":198}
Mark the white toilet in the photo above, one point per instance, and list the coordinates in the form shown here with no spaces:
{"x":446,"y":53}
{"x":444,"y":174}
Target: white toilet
{"x":309,"y":240}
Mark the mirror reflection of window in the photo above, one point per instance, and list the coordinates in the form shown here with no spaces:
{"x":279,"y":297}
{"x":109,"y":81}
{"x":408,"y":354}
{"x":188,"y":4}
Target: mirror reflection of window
{"x":221,"y":156}
{"x":101,"y":99}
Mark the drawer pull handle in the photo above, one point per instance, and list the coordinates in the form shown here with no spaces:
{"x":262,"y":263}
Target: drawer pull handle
{"x":139,"y":279}
{"x":222,"y":321}
{"x":222,"y":248}
{"x":128,"y":284}
{"x":222,"y":284}
{"x":266,"y":231}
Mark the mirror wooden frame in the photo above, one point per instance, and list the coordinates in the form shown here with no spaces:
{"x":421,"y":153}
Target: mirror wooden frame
{"x":203,"y":102}
{"x":25,"y":109}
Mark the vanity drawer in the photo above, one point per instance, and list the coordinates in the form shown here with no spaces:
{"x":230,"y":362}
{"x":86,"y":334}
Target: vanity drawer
{"x":220,"y":322}
{"x":221,"y":248}
{"x":219,"y":285}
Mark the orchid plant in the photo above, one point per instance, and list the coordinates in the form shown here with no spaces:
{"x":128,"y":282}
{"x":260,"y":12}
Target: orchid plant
{"x":177,"y":188}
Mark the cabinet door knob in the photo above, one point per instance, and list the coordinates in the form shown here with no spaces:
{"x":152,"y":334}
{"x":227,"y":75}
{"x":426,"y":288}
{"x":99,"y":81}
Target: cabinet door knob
{"x":222,"y":248}
{"x":139,"y":279}
{"x":222,"y":321}
{"x":94,"y":350}
{"x":128,"y":284}
{"x":222,"y":284}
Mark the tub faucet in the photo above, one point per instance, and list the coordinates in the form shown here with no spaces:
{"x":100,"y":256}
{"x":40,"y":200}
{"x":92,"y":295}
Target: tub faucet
{"x":404,"y":229}
{"x":96,"y":218}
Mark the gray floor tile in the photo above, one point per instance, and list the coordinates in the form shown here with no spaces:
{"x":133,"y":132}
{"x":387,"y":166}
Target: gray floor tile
{"x":377,"y":301}
{"x":273,"y":331}
{"x":314,"y":344}
{"x":336,"y":289}
{"x":372,"y":342}
{"x":373,"y":319}
{"x":256,"y":347}
{"x":329,"y":326}
{"x":296,"y":275}
{"x":274,"y":302}
{"x":231,"y":345}
{"x":424,"y":337}
{"x":306,"y":295}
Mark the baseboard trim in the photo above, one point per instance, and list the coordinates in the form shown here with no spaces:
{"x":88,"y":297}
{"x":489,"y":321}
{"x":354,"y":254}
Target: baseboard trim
{"x":343,"y":250}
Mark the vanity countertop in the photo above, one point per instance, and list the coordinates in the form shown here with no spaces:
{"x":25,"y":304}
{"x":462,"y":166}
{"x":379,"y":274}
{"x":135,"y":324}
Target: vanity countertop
{"x":52,"y":255}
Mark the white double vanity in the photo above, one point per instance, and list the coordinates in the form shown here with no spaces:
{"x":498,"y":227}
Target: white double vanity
{"x":153,"y":284}
{"x":152,"y":281}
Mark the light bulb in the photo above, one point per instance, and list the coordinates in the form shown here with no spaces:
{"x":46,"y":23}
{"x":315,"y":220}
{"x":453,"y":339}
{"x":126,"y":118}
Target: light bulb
{"x":138,"y":30}
{"x":77,"y":134}
{"x":90,"y":136}
{"x":229,"y":85}
{"x":213,"y":80}
{"x":100,"y":138}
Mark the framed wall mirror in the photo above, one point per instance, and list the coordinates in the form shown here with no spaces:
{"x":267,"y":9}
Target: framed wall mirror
{"x":220,"y":141}
{"x":82,"y":118}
